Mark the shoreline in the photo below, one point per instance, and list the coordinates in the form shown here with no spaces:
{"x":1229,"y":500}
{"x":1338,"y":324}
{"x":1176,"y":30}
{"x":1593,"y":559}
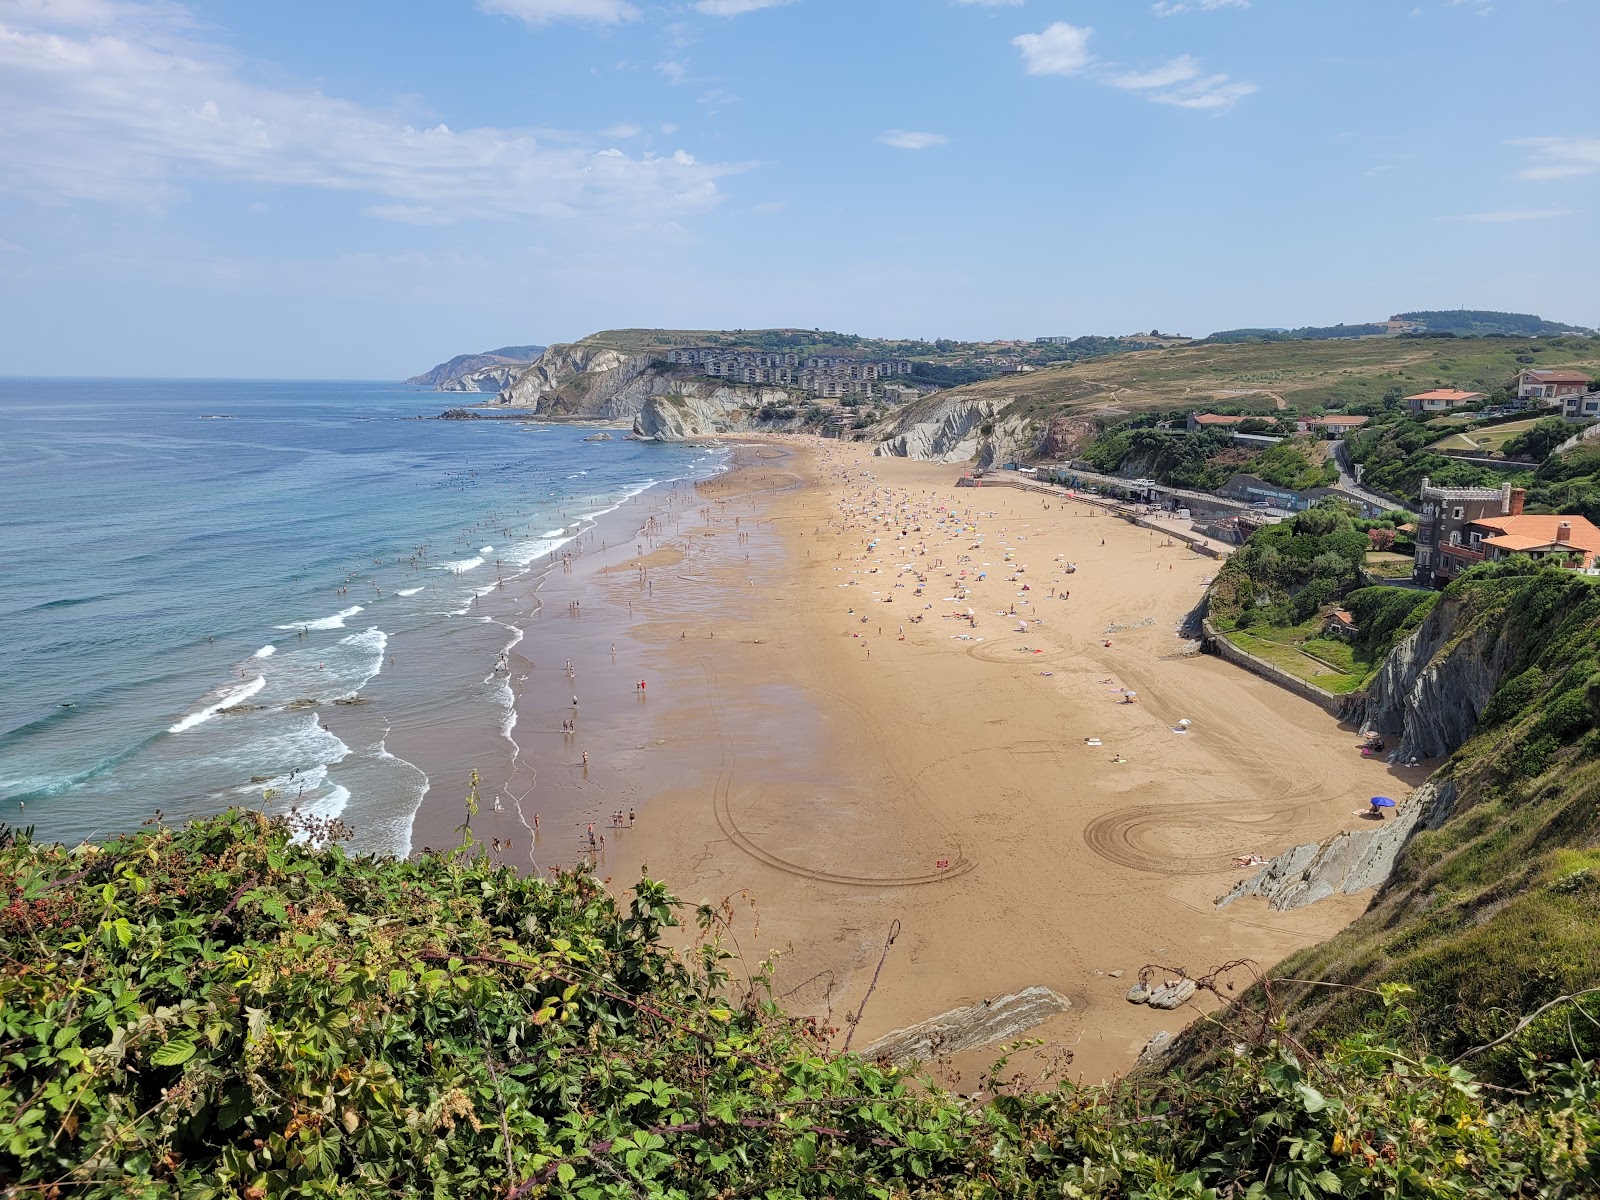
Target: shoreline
{"x":533,"y":756}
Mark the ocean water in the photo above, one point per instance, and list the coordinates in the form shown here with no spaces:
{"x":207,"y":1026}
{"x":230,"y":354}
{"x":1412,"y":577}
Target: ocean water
{"x":217,"y":593}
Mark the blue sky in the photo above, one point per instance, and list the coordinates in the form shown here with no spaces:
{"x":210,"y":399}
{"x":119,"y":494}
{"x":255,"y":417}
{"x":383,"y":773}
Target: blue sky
{"x":354,"y":188}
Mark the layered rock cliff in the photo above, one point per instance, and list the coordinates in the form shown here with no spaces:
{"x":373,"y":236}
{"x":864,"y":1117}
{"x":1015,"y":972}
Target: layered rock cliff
{"x":662,"y":401}
{"x":697,"y":408}
{"x":1435,"y":684}
{"x":485,"y":379}
{"x":954,"y":428}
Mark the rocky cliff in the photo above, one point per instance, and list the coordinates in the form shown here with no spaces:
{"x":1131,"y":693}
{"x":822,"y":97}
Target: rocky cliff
{"x":663,"y":402}
{"x":485,"y":379}
{"x":1426,"y":702}
{"x":1435,"y":684}
{"x":952,"y":428}
{"x":450,"y":376}
{"x":697,"y":408}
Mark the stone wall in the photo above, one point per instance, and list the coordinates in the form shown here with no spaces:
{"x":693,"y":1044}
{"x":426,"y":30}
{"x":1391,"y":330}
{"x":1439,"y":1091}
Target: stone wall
{"x":1228,"y":652}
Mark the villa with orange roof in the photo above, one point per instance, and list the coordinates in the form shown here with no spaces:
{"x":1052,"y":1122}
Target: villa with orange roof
{"x":1441,"y":400}
{"x":1461,"y":527}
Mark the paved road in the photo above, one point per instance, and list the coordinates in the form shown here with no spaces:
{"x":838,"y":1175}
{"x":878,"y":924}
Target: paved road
{"x":1347,"y":480}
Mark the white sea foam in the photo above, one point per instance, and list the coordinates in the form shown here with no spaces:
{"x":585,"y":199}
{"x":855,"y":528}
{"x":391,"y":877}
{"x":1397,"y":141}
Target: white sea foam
{"x":461,"y":564}
{"x":237,"y":696}
{"x":265,"y":652}
{"x":485,"y":549}
{"x":334,"y":622}
{"x":408,"y":591}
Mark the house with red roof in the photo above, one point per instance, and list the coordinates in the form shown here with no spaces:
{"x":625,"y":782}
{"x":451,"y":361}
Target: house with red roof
{"x":1211,"y":421}
{"x":1543,"y":389}
{"x":1441,"y":400}
{"x":1334,"y":426}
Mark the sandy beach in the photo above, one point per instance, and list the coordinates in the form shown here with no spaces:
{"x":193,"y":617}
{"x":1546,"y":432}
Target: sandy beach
{"x":830,"y":739}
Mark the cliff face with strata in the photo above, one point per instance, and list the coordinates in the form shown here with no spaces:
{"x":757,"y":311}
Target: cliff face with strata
{"x":663,"y":402}
{"x":1436,"y":683}
{"x":953,"y":428}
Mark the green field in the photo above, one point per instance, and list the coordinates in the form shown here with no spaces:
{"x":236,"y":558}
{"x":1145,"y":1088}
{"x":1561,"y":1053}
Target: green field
{"x":1303,"y":653}
{"x":1487,"y":441}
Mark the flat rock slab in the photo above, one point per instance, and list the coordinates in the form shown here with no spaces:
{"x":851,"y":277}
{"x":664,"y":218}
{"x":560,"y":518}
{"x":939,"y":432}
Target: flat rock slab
{"x":960,"y":1029}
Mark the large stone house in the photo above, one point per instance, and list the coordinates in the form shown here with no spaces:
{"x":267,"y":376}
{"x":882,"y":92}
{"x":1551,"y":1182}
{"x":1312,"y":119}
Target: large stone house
{"x":1461,"y":527}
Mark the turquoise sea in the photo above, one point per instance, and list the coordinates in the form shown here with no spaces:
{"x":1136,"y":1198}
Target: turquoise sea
{"x":195,"y":574}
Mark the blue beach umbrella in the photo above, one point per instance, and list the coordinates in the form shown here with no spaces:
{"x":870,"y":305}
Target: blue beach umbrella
{"x":1382,"y":802}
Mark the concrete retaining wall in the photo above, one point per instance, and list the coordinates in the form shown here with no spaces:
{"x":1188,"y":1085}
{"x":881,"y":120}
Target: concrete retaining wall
{"x":1219,"y":645}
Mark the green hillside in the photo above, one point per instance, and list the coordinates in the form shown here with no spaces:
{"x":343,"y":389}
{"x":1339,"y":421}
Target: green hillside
{"x":1300,"y":375}
{"x":1493,"y":913}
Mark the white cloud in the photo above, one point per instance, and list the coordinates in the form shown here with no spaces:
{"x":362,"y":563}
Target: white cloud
{"x":542,"y":12}
{"x":1514,"y":215}
{"x":1059,"y":49}
{"x":1180,"y":82}
{"x":116,"y":106}
{"x":1179,"y":70}
{"x":674,"y":70}
{"x":1561,"y":157}
{"x":905,"y":139}
{"x":734,"y":8}
{"x":1172,"y":8}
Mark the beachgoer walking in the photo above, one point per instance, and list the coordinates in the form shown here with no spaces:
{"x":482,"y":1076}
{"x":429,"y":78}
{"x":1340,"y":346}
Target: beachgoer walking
{"x":630,"y":818}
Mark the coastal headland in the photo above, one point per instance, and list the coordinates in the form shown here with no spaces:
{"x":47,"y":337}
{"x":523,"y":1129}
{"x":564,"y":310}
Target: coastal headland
{"x":877,"y":703}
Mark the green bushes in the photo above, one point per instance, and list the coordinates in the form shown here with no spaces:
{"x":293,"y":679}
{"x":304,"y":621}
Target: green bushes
{"x":222,"y":1012}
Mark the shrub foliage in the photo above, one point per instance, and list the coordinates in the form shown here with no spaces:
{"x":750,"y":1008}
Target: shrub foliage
{"x":230,"y":1011}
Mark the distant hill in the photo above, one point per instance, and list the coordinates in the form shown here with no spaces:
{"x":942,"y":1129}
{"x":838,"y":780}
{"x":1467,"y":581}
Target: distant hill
{"x":1308,"y":333}
{"x":1465,"y":322}
{"x":1473,"y":322}
{"x":463,"y":365}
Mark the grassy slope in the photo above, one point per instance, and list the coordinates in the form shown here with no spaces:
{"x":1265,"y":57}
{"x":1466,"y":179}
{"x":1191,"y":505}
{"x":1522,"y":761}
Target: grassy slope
{"x":1306,"y":374}
{"x":1494,"y":913}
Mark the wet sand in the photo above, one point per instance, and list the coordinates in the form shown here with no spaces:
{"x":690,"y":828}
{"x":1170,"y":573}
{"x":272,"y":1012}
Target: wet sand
{"x":837,"y":779}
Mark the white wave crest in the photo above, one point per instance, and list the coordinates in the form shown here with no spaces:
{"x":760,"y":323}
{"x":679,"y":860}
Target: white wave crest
{"x":408,"y":591}
{"x":461,"y":564}
{"x":265,"y":652}
{"x":334,"y":622}
{"x":237,"y":696}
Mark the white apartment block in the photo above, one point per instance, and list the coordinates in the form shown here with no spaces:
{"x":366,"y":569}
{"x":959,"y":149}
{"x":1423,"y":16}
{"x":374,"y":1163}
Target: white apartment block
{"x":830,"y":376}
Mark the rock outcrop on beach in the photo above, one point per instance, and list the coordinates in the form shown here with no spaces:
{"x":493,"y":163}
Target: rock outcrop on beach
{"x":470,"y":372}
{"x":1426,"y":702}
{"x":1350,"y":861}
{"x":980,"y":1024}
{"x":694,"y":409}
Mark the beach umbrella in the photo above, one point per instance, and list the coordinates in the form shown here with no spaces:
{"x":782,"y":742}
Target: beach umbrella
{"x":1382,"y":802}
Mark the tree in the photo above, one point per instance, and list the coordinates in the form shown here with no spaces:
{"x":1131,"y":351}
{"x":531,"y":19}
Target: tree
{"x":1539,"y":440}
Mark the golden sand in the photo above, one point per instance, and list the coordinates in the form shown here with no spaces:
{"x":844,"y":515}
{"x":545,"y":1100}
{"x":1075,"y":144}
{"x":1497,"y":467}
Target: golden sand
{"x":836,"y":764}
